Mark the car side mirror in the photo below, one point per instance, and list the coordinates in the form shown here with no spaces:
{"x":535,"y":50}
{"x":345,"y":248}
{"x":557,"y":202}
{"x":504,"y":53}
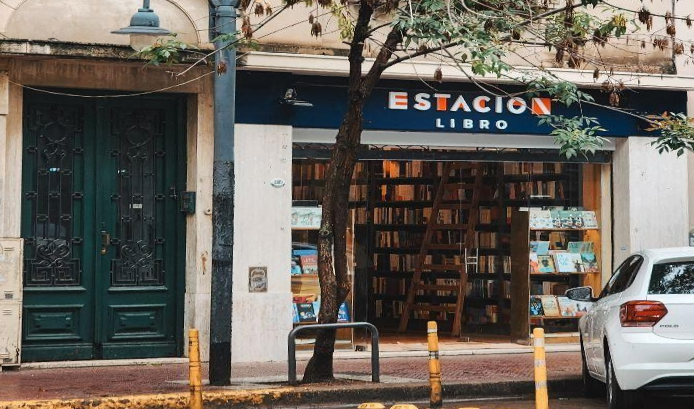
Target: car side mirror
{"x":580,"y":294}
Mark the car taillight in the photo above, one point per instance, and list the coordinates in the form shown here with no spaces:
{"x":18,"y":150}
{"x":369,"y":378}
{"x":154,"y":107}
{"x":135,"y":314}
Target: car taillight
{"x":641,"y":313}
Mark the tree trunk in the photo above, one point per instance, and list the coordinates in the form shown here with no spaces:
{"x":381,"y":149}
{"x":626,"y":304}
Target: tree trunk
{"x":332,"y":242}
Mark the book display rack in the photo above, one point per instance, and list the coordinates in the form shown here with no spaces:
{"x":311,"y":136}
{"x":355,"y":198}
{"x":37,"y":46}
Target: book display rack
{"x":306,"y":217}
{"x":391,"y":205}
{"x":552,"y":251}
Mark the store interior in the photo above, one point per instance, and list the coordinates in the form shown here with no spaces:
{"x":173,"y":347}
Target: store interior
{"x":466,"y":233}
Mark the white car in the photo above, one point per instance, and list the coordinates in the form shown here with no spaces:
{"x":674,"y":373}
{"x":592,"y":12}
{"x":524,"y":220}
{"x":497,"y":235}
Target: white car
{"x":639,"y":335}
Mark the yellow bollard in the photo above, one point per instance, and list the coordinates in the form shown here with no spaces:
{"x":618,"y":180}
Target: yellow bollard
{"x":194,"y":372}
{"x":541,"y":397}
{"x":371,"y":405}
{"x":435,"y":400}
{"x":403,"y":406}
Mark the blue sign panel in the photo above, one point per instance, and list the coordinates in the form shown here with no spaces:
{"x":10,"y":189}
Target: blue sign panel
{"x":458,"y":108}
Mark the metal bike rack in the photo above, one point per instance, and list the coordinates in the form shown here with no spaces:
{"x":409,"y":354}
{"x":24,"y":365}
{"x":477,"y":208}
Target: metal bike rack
{"x":291,"y":341}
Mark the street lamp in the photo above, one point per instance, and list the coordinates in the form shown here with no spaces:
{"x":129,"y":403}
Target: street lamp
{"x":223,"y":13}
{"x":144,"y":25}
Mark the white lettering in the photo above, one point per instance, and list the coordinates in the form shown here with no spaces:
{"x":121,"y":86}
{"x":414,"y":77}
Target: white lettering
{"x":438,"y":123}
{"x":484,"y":124}
{"x":453,"y":123}
{"x":460,"y":103}
{"x":397,"y":100}
{"x":516,"y":106}
{"x":442,"y":101}
{"x":480,"y":104}
{"x":423,"y":103}
{"x":468,"y":124}
{"x":499,"y":105}
{"x":501,"y":124}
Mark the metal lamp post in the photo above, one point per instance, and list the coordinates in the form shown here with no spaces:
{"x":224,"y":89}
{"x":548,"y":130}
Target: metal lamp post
{"x":143,"y":26}
{"x":223,"y":21}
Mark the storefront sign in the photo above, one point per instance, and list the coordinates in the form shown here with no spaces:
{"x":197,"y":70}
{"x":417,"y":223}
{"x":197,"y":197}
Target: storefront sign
{"x":457,"y":108}
{"x":481,"y":104}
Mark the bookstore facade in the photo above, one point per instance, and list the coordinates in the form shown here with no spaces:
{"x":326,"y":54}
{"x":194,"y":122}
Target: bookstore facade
{"x":462,"y":210}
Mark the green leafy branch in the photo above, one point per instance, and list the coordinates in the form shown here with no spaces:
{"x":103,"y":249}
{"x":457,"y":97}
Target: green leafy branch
{"x":676,"y":133}
{"x":166,"y":50}
{"x":574,"y":135}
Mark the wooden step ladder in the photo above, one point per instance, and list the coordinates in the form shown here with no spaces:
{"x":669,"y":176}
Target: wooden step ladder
{"x":438,"y":237}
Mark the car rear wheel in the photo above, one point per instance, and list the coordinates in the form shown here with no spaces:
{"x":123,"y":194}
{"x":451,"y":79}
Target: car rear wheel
{"x":592,"y":388}
{"x":617,"y":398}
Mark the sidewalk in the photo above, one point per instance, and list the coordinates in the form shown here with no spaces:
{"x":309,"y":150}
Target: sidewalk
{"x":469,"y":374}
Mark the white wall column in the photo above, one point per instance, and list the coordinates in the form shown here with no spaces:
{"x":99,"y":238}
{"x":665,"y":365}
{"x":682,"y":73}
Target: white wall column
{"x":650,"y":198}
{"x":262,"y":238}
{"x":10,"y":157}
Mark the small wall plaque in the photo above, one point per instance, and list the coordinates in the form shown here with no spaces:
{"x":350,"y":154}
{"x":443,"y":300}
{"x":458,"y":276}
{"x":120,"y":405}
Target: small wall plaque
{"x":257,"y":279}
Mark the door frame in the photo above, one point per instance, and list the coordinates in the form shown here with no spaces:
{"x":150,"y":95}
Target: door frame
{"x":180,"y":107}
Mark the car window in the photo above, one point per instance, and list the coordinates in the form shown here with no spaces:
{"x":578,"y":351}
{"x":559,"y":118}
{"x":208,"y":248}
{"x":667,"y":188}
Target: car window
{"x":623,"y":276}
{"x":672,"y":278}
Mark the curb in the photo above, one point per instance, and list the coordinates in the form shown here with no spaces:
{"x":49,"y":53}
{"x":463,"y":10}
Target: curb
{"x":313,"y":395}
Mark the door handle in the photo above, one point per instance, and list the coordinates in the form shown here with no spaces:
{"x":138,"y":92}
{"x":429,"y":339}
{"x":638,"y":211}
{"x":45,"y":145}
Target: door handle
{"x":105,"y":242}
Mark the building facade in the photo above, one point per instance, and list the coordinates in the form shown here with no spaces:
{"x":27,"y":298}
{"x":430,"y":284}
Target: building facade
{"x":106,"y":173}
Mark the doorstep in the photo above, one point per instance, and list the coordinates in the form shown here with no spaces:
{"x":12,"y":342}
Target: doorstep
{"x":102,"y":363}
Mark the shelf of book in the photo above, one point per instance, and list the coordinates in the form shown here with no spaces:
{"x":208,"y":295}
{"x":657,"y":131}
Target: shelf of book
{"x":546,"y":262}
{"x":305,"y":283}
{"x":390,"y":203}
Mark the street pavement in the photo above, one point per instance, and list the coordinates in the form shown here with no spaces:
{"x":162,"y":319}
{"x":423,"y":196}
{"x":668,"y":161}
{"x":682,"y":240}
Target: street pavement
{"x":529,"y":403}
{"x":97,"y":382}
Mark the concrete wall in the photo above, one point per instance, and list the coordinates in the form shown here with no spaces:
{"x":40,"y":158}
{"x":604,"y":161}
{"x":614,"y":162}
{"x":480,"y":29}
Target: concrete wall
{"x":262,"y":238}
{"x":650,"y":198}
{"x":91,"y":21}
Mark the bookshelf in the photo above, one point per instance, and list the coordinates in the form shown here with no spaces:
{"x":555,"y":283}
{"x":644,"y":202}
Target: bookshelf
{"x":305,"y":285}
{"x":529,"y":284}
{"x":390,"y":204}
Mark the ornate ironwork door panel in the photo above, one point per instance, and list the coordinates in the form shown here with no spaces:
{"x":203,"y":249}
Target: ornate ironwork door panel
{"x":57,"y":220}
{"x":140,"y":223}
{"x":102,"y":229}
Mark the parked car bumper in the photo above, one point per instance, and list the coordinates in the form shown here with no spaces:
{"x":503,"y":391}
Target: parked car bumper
{"x":649,"y":361}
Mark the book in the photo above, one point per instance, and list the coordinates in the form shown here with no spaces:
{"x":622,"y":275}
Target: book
{"x":567,"y":307}
{"x":556,"y":218}
{"x":305,"y":312}
{"x":545,"y":264}
{"x":316,"y":308}
{"x":536,"y":289}
{"x":590,"y":220}
{"x":306,"y":217}
{"x":569,"y":219}
{"x":590,"y":262}
{"x":536,"y":309}
{"x":568,"y":262}
{"x":343,"y":313}
{"x":295,"y":269}
{"x":539,"y":247}
{"x":534,"y":265}
{"x":309,"y":264}
{"x":550,"y":306}
{"x":304,"y":252}
{"x":580,"y":247}
{"x":295,"y":313}
{"x":540,"y":219}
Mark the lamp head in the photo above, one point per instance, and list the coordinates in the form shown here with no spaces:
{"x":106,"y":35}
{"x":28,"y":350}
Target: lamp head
{"x":144,"y":25}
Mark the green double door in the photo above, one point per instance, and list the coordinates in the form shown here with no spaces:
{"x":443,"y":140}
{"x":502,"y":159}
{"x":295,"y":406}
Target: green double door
{"x":104,"y":238}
